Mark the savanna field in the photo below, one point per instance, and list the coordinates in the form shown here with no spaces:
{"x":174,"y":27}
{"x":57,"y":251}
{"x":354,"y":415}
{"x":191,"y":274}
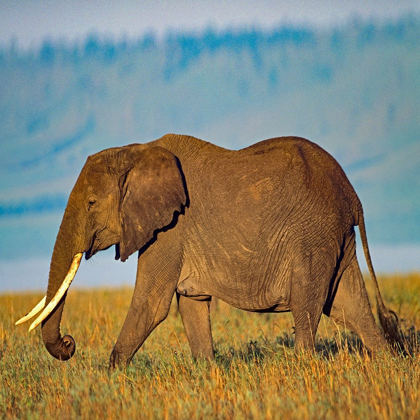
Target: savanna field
{"x":256,"y":374}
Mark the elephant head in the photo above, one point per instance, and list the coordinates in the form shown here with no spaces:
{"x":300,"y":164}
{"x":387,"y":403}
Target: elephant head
{"x":122,"y":197}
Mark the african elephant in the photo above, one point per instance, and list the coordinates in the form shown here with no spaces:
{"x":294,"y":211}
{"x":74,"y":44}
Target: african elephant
{"x":269,"y":228}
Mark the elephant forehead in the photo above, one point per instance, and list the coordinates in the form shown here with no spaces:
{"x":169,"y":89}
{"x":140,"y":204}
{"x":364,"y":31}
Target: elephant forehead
{"x":91,"y":181}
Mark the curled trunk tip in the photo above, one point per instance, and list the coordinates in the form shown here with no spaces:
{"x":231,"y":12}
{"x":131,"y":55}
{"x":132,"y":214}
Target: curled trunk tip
{"x":63,"y":349}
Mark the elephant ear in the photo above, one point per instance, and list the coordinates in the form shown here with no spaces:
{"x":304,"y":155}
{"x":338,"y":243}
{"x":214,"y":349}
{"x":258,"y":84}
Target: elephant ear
{"x":153,"y":189}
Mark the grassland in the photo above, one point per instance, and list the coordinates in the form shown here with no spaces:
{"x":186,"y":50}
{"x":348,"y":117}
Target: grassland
{"x":256,"y":374}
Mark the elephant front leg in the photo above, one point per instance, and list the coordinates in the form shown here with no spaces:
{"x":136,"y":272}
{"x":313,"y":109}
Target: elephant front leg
{"x":195,"y":316}
{"x":146,"y":312}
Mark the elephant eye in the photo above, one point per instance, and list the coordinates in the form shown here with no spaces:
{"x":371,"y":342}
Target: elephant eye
{"x":91,"y":202}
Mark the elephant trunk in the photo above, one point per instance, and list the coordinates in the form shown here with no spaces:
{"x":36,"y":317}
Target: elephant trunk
{"x":61,"y":348}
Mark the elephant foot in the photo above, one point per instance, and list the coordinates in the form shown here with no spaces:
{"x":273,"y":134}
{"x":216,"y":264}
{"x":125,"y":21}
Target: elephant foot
{"x":117,"y":360}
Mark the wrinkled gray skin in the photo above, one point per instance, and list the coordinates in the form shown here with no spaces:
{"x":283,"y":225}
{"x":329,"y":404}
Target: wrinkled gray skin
{"x":269,"y":228}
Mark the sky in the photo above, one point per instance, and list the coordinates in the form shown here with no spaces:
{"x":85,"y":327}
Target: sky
{"x":26,"y":24}
{"x":29,"y":22}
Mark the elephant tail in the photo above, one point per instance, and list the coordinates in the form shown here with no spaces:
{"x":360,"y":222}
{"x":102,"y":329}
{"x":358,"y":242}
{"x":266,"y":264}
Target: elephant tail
{"x":387,"y":317}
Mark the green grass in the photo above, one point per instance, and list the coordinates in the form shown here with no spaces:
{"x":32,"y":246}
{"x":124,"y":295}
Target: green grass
{"x":256,"y":373}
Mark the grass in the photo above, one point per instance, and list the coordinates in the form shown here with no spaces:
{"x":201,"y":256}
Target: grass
{"x":256,"y":374}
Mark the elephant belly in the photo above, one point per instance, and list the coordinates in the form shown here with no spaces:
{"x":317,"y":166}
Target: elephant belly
{"x":239,"y":286}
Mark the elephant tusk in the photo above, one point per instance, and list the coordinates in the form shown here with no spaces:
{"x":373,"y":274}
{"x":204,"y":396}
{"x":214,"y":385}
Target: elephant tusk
{"x":34,"y":311}
{"x":60,"y":292}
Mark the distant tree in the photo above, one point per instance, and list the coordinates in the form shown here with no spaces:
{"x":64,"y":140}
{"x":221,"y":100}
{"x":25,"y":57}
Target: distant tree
{"x":47,"y":54}
{"x":92,"y":46}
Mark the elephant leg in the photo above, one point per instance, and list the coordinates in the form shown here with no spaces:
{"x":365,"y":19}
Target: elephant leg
{"x":152,"y":297}
{"x":306,"y":319}
{"x":350,"y":307}
{"x":195,"y":316}
{"x":310,"y":286}
{"x":144,"y":315}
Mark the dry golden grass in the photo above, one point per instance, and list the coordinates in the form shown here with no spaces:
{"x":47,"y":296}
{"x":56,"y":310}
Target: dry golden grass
{"x":256,"y":374}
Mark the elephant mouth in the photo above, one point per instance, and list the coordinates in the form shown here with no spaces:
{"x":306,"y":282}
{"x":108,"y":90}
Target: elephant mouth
{"x":99,"y":245}
{"x":90,"y":253}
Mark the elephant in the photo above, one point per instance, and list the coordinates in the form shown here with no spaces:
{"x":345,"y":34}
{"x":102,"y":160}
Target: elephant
{"x":267,"y":228}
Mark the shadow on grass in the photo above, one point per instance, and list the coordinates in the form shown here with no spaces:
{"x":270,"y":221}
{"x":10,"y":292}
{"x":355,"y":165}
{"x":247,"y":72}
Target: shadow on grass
{"x":329,"y":348}
{"x":257,"y":351}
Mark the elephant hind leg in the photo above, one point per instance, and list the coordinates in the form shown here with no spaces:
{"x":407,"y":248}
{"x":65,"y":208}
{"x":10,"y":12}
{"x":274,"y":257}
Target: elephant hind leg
{"x":306,"y":308}
{"x":306,"y":319}
{"x":306,"y":326}
{"x":195,"y":316}
{"x":350,"y":307}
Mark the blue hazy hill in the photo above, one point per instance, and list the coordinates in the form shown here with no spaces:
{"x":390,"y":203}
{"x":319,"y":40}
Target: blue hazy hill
{"x":355,"y":90}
